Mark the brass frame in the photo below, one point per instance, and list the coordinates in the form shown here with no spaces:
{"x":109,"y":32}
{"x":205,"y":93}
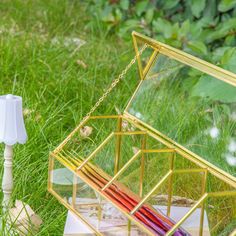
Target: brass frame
{"x":145,"y":130}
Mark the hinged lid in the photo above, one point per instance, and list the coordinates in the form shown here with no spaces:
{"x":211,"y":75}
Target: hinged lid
{"x":188,"y":102}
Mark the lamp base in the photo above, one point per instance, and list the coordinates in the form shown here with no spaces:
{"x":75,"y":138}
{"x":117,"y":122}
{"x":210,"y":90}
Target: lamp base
{"x":7,"y":229}
{"x":21,"y":220}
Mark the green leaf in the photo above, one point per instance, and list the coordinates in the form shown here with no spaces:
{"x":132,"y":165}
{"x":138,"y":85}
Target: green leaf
{"x":198,"y":47}
{"x":214,"y":89}
{"x":175,"y":30}
{"x":140,"y":7}
{"x":221,"y":30}
{"x":124,"y":4}
{"x":169,"y":4}
{"x":185,"y":28}
{"x":226,"y":5}
{"x":128,"y":26}
{"x":230,"y":40}
{"x":210,"y":10}
{"x":195,"y":31}
{"x":225,"y":16}
{"x":173,"y":42}
{"x":107,"y":14}
{"x":163,"y":26}
{"x":218,"y":53}
{"x":228,"y":61}
{"x":207,"y":22}
{"x":118,"y":15}
{"x":197,"y":6}
{"x":189,"y":83}
{"x":149,"y":15}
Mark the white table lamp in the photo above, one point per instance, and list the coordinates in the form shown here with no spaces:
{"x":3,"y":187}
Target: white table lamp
{"x":12,"y":131}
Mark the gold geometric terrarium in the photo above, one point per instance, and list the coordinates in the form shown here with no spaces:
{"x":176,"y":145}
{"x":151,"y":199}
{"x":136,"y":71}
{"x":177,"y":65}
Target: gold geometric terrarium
{"x":173,"y":147}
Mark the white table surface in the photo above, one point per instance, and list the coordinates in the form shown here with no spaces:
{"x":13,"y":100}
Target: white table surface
{"x":74,"y":226}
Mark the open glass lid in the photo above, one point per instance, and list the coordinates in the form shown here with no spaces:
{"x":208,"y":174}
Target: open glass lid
{"x":188,"y":102}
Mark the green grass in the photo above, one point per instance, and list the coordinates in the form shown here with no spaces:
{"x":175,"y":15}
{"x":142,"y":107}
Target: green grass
{"x":56,"y":91}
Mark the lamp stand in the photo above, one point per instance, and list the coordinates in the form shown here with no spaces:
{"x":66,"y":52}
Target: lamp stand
{"x":7,"y":182}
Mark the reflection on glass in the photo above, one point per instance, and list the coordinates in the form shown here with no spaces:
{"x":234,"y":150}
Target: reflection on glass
{"x":192,"y":108}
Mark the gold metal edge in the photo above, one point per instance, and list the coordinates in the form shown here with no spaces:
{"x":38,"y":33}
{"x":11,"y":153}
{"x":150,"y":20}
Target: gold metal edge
{"x":135,"y":44}
{"x":188,"y":59}
{"x":150,"y":62}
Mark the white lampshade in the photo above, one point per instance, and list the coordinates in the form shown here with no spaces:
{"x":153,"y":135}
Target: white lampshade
{"x":12,"y":127}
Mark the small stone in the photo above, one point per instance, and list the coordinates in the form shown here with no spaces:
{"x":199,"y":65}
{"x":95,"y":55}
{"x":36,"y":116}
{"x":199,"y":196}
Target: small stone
{"x":209,"y":110}
{"x":38,"y":117}
{"x":86,"y":131}
{"x":135,"y":150}
{"x":81,"y":63}
{"x":125,"y":124}
{"x":27,"y":111}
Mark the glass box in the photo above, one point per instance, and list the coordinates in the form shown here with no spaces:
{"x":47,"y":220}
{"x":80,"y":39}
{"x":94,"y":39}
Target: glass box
{"x":172,"y":152}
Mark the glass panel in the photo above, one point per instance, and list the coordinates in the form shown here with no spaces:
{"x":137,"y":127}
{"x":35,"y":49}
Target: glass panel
{"x":95,"y":209}
{"x":62,"y":181}
{"x":102,"y":214}
{"x":89,"y":137}
{"x":192,"y":108}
